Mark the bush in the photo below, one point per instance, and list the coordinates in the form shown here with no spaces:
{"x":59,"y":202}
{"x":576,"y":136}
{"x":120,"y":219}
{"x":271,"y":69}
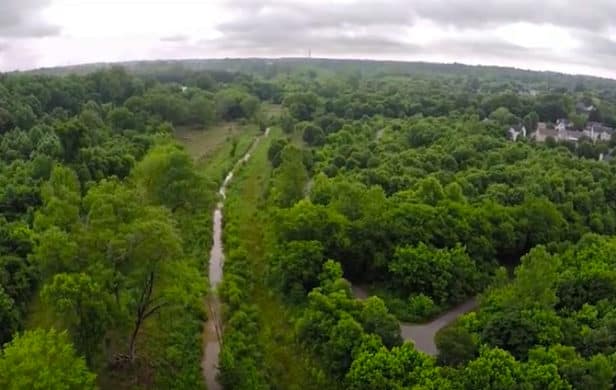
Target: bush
{"x":418,"y":308}
{"x":421,"y":307}
{"x":456,"y":345}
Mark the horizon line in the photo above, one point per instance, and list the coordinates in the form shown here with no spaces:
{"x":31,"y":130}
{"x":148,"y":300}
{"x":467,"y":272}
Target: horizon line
{"x":307,"y":59}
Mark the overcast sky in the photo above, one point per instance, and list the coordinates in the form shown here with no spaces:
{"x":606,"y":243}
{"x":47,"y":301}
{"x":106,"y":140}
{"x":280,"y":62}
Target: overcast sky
{"x":544,"y":35}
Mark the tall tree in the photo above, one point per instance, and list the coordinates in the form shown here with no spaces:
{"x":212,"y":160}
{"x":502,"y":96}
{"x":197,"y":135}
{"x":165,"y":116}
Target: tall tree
{"x":82,"y":304}
{"x":155,"y":247}
{"x":61,"y":196}
{"x":290,"y":178}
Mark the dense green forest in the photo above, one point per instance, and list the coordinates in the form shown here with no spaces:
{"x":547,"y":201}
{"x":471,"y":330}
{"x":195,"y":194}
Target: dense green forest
{"x":105,"y":225}
{"x":399,"y":178}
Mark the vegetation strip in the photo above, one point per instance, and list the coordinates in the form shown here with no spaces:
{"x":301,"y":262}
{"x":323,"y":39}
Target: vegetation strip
{"x":213,"y":334}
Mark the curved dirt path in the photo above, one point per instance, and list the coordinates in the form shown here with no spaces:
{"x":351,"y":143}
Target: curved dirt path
{"x":213,"y":329}
{"x":423,"y":335}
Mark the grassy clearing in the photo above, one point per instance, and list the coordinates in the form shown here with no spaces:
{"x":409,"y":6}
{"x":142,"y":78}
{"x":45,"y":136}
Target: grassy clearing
{"x":272,"y":109}
{"x":200,"y":142}
{"x":219,"y":163}
{"x":216,"y":149}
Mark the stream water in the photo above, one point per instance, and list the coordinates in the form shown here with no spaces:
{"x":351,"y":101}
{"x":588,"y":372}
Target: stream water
{"x":212,"y":331}
{"x":423,"y":335}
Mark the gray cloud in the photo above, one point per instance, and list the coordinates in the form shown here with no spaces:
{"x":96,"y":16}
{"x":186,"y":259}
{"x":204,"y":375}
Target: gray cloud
{"x":22,"y":18}
{"x":381,"y":28}
{"x":301,"y":44}
{"x":593,"y":15}
{"x":485,"y":46}
{"x":597,"y":45}
{"x":299,"y":14}
{"x":175,"y":38}
{"x":288,"y":27}
{"x":464,"y":30}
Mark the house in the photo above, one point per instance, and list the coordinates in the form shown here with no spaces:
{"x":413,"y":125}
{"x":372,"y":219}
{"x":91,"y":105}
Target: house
{"x":563,"y":124}
{"x":598,"y":131}
{"x":515,"y":131}
{"x":564,"y":131}
{"x":582,"y":108}
{"x":544,"y":132}
{"x":607,"y":157}
{"x":570,"y":135}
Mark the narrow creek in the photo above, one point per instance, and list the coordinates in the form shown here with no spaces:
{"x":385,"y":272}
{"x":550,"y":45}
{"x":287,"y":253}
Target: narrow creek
{"x":423,"y":335}
{"x":213,"y":329}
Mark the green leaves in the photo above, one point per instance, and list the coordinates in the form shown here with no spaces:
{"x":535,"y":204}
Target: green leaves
{"x":108,"y":258}
{"x":9,"y":316}
{"x":302,"y":106}
{"x":56,"y":251}
{"x":43,"y":360}
{"x":375,"y":318}
{"x":494,"y":369}
{"x":447,"y":275}
{"x":83,"y":306}
{"x":456,"y":345}
{"x":290,"y":177}
{"x":233,"y":103}
{"x":168,"y":176}
{"x":296,"y":266}
{"x":399,"y":368}
{"x":62,"y":196}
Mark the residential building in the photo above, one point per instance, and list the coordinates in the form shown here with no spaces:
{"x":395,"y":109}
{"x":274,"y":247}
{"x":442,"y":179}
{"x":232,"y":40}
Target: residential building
{"x":543,"y":132}
{"x":598,"y":131}
{"x":564,"y":131}
{"x":582,"y":108}
{"x":563,"y":124}
{"x":515,"y":131}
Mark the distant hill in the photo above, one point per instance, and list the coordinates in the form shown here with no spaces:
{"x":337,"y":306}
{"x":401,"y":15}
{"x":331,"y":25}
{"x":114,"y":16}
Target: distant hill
{"x":269,"y":67}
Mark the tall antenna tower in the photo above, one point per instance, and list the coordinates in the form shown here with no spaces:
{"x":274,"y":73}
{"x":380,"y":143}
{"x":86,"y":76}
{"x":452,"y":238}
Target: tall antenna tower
{"x":309,"y":53}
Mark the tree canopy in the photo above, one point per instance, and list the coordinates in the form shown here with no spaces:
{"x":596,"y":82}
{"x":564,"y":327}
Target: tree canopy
{"x":395,"y":180}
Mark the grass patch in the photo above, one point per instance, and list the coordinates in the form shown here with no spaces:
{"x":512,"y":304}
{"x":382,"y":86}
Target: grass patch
{"x":200,"y":142}
{"x":273,"y":110}
{"x":217,"y":165}
{"x":218,"y":148}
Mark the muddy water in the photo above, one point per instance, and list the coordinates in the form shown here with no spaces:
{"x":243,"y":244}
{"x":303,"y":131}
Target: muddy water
{"x":423,"y":335}
{"x":212,"y":331}
{"x":216,"y":255}
{"x":212,"y":337}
